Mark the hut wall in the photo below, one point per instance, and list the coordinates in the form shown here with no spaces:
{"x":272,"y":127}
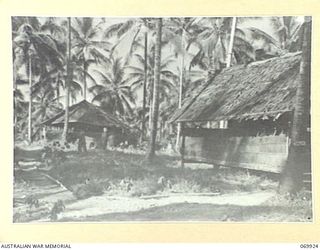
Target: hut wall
{"x":222,"y":147}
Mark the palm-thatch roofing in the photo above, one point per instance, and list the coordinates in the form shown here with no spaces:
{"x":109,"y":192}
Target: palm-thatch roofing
{"x":263,"y":89}
{"x":85,"y":113}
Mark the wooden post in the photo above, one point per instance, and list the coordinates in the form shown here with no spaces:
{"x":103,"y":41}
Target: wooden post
{"x":183,"y":144}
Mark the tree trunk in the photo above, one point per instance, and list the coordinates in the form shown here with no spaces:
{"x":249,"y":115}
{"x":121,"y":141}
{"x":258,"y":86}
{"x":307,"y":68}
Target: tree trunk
{"x":299,"y":150}
{"x":155,"y":102}
{"x":69,"y":77}
{"x":144,"y":95}
{"x":30,"y":101}
{"x":230,"y":48}
{"x":14,"y":95}
{"x":180,"y":87}
{"x":58,"y":93}
{"x":84,"y":80}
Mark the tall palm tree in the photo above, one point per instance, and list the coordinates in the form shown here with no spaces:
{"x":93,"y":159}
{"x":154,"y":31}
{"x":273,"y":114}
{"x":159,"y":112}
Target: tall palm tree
{"x":88,"y":47}
{"x":180,"y":32}
{"x":231,"y":42}
{"x":214,"y":40}
{"x":37,"y":52}
{"x":155,"y":103}
{"x":67,"y":83}
{"x":135,"y":29}
{"x":168,"y":81}
{"x":113,"y":93}
{"x":299,"y":150}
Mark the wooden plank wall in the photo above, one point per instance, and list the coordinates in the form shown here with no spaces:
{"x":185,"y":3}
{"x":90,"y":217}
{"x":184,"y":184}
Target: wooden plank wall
{"x":267,"y":153}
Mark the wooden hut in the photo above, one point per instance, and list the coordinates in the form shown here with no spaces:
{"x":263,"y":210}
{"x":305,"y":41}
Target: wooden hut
{"x":91,"y":119}
{"x":242,"y":117}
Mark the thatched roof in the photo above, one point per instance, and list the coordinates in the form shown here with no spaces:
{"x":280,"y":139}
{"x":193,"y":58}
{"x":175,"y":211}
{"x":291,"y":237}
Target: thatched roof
{"x":85,"y":113}
{"x":263,"y":89}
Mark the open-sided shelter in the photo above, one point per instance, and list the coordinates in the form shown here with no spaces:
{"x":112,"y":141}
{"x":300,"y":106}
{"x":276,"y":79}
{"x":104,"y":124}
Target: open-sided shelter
{"x":91,"y":119}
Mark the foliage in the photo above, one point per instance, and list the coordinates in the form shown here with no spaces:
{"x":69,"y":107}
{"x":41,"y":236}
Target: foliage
{"x":285,"y":37}
{"x":113,"y":93}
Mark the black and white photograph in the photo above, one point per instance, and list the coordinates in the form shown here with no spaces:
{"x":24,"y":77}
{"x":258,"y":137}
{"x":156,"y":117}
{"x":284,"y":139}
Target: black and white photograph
{"x":162,"y":119}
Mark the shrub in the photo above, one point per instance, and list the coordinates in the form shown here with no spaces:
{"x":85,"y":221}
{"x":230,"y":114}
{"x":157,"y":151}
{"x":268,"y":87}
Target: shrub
{"x":184,"y":186}
{"x":83,"y":191}
{"x":146,"y":186}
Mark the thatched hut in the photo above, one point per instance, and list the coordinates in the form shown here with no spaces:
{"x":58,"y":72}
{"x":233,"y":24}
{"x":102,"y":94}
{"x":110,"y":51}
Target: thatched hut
{"x":92,"y":119}
{"x":242,"y":117}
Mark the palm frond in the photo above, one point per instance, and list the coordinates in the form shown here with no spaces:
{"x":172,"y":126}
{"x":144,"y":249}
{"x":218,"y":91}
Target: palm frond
{"x":112,"y":30}
{"x":260,"y":34}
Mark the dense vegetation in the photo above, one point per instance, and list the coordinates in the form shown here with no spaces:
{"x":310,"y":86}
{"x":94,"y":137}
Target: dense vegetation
{"x":139,"y":69}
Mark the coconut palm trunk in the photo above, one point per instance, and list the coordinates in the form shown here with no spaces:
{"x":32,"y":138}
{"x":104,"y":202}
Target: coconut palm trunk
{"x":299,"y":154}
{"x":155,"y":102}
{"x":180,"y":87}
{"x":85,"y":79}
{"x":230,"y":48}
{"x":67,"y":83}
{"x":144,"y":94}
{"x":30,"y":100}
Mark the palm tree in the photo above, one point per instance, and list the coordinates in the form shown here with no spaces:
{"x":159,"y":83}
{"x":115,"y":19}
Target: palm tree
{"x":155,"y":103}
{"x":57,"y":30}
{"x":87,"y":47}
{"x":180,"y":32}
{"x":217,"y":36}
{"x":113,"y":94}
{"x":67,"y":83}
{"x":299,"y":150}
{"x":18,"y":21}
{"x":231,"y":42}
{"x":37,"y":52}
{"x":45,"y":104}
{"x":168,"y":80}
{"x":137,"y":28}
{"x":286,"y":35}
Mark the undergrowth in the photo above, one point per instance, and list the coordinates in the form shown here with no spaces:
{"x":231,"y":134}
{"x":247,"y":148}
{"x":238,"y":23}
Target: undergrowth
{"x":119,"y":173}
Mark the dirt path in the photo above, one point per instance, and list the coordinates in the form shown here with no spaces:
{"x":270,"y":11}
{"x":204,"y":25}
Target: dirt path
{"x":102,"y":205}
{"x":49,"y":192}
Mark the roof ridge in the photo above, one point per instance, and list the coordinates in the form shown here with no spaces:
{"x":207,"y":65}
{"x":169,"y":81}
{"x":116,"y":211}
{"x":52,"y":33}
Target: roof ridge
{"x":275,"y":58}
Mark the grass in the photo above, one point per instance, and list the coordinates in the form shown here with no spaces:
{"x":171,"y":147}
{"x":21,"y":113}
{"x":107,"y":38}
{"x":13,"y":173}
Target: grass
{"x":120,"y":173}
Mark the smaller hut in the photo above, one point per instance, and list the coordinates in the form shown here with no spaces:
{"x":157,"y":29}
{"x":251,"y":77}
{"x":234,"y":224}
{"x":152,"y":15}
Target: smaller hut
{"x":91,"y":119}
{"x":242,"y":117}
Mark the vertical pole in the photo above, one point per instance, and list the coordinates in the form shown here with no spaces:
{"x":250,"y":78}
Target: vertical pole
{"x":230,"y":48}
